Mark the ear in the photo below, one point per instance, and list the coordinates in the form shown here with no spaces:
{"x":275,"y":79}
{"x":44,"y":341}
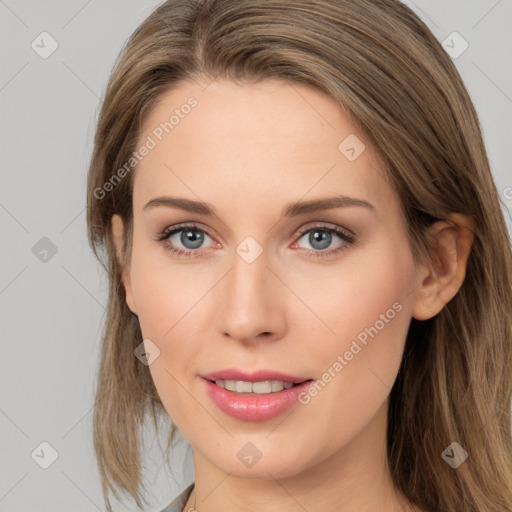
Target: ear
{"x":452,"y":240}
{"x":117,"y":234}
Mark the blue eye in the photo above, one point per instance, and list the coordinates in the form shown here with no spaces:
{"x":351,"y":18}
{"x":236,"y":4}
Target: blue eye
{"x":191,"y":239}
{"x":321,"y":237}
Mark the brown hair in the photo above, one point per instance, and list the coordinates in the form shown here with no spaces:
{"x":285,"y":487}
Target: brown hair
{"x":389,"y":73}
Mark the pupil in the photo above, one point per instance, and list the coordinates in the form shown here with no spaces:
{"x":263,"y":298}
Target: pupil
{"x":191,"y":239}
{"x":320,"y":239}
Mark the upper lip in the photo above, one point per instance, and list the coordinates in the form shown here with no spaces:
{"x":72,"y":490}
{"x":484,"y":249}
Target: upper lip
{"x":255,"y":376}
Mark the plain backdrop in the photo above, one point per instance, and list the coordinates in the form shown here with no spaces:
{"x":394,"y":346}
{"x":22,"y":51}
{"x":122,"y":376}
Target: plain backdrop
{"x":52,"y":290}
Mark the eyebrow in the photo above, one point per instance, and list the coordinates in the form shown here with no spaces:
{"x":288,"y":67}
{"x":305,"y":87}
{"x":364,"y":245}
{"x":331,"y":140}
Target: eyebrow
{"x":290,"y":210}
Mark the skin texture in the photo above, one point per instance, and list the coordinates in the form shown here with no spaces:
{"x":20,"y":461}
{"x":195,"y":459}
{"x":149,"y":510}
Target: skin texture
{"x":250,"y":150}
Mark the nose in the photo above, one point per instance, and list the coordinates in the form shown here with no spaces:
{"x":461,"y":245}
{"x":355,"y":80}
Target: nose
{"x":251,"y":302}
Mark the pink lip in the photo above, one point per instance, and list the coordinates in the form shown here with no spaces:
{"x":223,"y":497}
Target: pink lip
{"x":253,"y":407}
{"x":256,"y":376}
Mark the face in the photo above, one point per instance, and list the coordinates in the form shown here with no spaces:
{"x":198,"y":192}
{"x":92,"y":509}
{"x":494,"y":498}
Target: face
{"x":268,"y":281}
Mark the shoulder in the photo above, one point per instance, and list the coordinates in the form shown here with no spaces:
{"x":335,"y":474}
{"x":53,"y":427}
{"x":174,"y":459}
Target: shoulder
{"x":178,"y":503}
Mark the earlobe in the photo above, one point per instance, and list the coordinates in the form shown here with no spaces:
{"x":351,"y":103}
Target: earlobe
{"x":117,"y":235}
{"x":117,"y":226}
{"x":452,"y":241}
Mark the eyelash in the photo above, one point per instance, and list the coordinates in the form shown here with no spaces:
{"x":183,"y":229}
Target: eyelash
{"x":348,"y":238}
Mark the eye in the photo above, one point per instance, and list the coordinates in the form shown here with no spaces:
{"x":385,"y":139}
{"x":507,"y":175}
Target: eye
{"x":184,"y":240}
{"x":321,"y":238}
{"x":188,"y":240}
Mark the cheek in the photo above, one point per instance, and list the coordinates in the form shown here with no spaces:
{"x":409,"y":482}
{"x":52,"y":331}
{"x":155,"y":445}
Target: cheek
{"x":369,"y":309}
{"x":168,"y":299}
{"x":165,"y":292}
{"x":367,"y":296}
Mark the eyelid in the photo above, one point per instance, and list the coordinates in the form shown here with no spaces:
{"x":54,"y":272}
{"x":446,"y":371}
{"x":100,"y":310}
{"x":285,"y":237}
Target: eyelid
{"x":327,"y":226}
{"x":170,"y":230}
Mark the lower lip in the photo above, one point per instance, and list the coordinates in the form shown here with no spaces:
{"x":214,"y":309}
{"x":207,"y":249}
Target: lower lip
{"x":254,"y":407}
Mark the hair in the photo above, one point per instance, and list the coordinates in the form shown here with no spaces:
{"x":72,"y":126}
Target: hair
{"x":389,"y":74}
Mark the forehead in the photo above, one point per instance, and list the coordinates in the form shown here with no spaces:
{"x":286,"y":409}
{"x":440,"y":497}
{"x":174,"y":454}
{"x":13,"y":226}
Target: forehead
{"x":221,"y":141}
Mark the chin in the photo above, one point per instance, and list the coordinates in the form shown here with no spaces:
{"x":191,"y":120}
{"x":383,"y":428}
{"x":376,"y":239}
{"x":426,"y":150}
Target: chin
{"x":265,"y":464}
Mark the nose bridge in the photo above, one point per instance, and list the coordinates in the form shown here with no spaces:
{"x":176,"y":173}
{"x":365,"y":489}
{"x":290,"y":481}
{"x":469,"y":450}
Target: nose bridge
{"x":249,"y":297}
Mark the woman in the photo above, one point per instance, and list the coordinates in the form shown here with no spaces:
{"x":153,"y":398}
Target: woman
{"x":309,"y":269}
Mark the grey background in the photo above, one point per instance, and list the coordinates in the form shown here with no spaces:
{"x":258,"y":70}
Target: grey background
{"x":52,"y":311}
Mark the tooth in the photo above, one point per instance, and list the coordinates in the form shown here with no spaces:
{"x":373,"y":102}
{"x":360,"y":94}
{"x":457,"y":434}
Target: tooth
{"x":262,"y":387}
{"x":230,"y":385}
{"x":243,"y":386}
{"x":277,"y":385}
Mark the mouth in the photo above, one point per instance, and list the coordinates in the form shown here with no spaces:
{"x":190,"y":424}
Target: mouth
{"x":264,"y":387}
{"x":259,"y":396}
